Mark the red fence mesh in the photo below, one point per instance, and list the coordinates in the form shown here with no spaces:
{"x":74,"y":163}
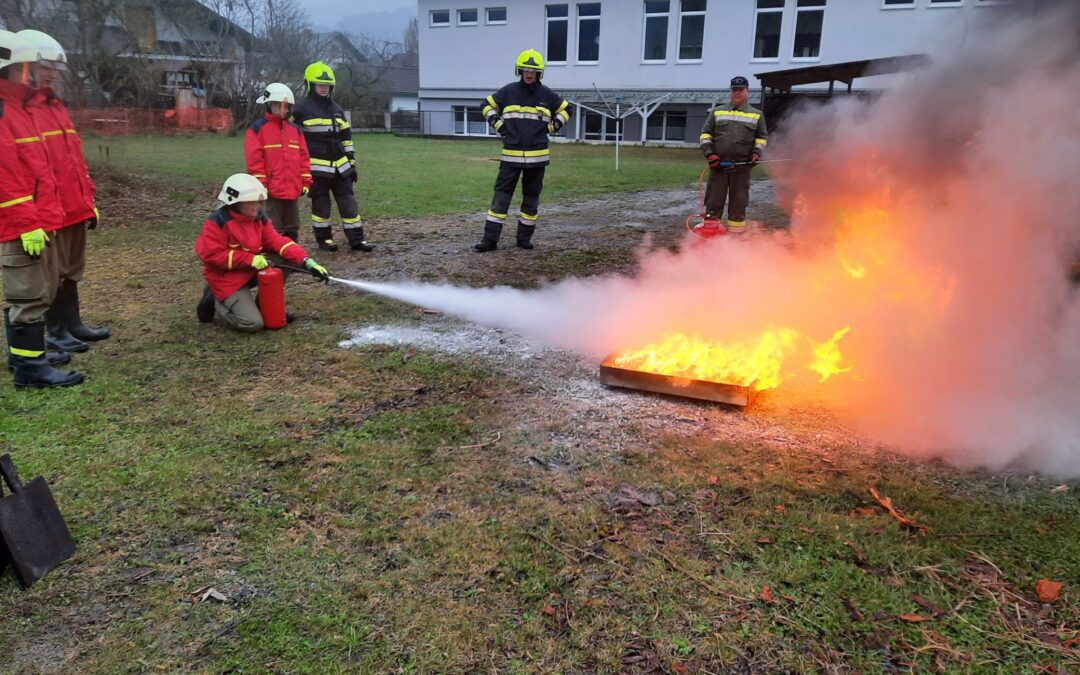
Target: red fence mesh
{"x":138,"y":121}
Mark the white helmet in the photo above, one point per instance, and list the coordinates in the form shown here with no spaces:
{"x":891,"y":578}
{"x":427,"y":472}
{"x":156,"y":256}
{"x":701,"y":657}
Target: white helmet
{"x":49,"y":50}
{"x":242,"y":187}
{"x":276,"y":92}
{"x":15,"y":49}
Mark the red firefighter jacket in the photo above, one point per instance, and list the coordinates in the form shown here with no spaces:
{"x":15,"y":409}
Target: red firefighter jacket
{"x":65,"y":150}
{"x":229,"y":241}
{"x":277,"y":155}
{"x":29,"y":198}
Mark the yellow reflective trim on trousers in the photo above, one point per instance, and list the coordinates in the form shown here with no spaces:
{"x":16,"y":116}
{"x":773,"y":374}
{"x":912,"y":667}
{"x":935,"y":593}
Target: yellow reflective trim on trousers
{"x":28,"y":353}
{"x":230,"y":259}
{"x":28,"y":139}
{"x":17,"y":200}
{"x":282,"y":249}
{"x":500,"y":216}
{"x":527,"y":216}
{"x":705,"y":137}
{"x":319,"y":219}
{"x":737,"y":113}
{"x":350,"y":221}
{"x":761,"y":141}
{"x":526,"y":153}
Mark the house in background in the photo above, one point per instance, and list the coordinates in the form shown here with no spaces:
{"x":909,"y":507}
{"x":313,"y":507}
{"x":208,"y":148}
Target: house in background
{"x":667,"y":61}
{"x":402,"y":79}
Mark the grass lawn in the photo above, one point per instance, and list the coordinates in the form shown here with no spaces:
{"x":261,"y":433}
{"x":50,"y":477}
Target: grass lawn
{"x":389,"y":511}
{"x":413,"y":177}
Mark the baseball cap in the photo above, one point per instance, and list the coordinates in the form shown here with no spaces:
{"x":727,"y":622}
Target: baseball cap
{"x":739,"y":81}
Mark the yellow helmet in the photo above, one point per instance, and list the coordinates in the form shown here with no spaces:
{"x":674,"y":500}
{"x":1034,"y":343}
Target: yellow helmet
{"x":319,"y":73}
{"x":530,"y":59}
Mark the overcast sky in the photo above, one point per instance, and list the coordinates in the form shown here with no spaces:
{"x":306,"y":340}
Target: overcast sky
{"x":326,"y":13}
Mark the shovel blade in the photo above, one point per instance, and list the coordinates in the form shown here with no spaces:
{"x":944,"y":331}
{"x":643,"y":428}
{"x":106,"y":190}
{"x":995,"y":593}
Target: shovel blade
{"x":34,"y":535}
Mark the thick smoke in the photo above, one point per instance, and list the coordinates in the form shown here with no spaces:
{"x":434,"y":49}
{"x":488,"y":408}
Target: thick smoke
{"x":938,"y":220}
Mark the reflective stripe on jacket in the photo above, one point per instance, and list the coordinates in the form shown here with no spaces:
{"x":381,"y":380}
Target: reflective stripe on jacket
{"x":29,"y":198}
{"x":521,"y":113}
{"x":734,"y":134}
{"x":229,"y":241}
{"x":328,"y":135}
{"x":277,"y":154}
{"x":65,"y":150}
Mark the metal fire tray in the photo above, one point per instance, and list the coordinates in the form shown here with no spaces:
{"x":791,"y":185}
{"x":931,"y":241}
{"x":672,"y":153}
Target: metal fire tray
{"x":719,"y":392}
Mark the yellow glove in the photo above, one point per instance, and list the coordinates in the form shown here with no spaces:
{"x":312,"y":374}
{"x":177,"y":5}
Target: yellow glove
{"x":260,"y":262}
{"x":317,"y":270}
{"x":93,"y":222}
{"x":34,"y":242}
{"x":304,"y":191}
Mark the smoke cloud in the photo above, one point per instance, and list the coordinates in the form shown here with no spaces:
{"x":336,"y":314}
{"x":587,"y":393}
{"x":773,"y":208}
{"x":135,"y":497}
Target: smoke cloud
{"x":938,"y":220}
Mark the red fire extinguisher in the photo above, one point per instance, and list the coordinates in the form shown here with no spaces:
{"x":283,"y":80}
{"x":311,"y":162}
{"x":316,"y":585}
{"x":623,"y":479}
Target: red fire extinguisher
{"x":272,"y":297}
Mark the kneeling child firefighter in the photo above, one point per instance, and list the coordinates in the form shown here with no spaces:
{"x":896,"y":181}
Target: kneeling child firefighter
{"x":236,"y":242}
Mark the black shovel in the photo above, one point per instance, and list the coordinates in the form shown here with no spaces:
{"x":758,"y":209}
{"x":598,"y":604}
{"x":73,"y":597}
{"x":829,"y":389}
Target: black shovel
{"x":33,"y":535}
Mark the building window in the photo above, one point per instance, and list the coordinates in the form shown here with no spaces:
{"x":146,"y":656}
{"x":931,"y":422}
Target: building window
{"x":691,"y":29}
{"x":588,"y":32}
{"x":557,"y":23}
{"x":898,"y":4}
{"x":809,"y":19}
{"x":440,"y":17}
{"x":495,"y":16}
{"x":946,"y":3}
{"x":467,"y":17}
{"x":770,"y":16}
{"x":470,"y":122}
{"x":600,"y":127}
{"x":666,"y":125}
{"x":654,"y":48}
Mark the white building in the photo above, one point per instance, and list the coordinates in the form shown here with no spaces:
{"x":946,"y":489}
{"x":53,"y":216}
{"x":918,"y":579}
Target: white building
{"x":666,"y":60}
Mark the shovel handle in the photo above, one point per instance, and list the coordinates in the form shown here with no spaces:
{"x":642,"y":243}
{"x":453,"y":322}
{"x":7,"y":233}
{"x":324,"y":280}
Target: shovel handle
{"x":10,"y":475}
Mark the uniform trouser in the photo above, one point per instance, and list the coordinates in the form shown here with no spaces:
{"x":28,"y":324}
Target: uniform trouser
{"x":732,"y":187}
{"x":70,"y":250}
{"x":342,"y":189}
{"x":532,"y":184}
{"x":28,"y":282}
{"x":240,"y":311}
{"x":285,"y":215}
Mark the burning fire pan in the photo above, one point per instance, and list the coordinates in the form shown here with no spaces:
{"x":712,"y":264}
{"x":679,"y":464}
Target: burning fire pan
{"x":719,"y":392}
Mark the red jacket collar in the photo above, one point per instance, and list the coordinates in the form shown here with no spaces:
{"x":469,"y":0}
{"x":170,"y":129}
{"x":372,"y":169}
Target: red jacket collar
{"x":15,"y":90}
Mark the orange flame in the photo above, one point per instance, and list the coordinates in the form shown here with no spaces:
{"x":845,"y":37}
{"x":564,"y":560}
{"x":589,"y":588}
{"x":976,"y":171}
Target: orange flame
{"x":756,"y":363}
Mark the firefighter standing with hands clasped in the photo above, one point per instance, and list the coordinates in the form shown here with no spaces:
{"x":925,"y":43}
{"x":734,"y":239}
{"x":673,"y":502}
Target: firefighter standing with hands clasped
{"x":333,"y":159}
{"x":524,"y":113}
{"x":733,"y":140}
{"x":236,"y":242}
{"x":31,"y":211}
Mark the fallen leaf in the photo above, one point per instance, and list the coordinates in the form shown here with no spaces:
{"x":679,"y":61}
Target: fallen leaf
{"x":549,"y":610}
{"x":858,"y":552}
{"x":864,"y":512}
{"x":713,"y":480}
{"x":913,"y":618}
{"x":766,"y":594}
{"x":764,"y":540}
{"x":1048,"y":591}
{"x":207,"y":594}
{"x":779,"y":508}
{"x":807,"y":530}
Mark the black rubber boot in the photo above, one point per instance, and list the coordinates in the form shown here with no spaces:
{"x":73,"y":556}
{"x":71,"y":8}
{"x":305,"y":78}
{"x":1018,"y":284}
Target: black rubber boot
{"x":205,"y":308}
{"x":78,"y":329}
{"x":356,"y":240}
{"x":324,"y":238}
{"x":56,"y":321}
{"x":490,"y":242}
{"x":53,"y":358}
{"x":524,"y":235}
{"x":32,"y":369}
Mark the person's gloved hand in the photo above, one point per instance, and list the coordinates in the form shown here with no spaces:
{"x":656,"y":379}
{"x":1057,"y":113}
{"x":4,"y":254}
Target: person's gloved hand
{"x":34,"y":242}
{"x":500,"y":127}
{"x":754,"y":159}
{"x":92,"y":222}
{"x":317,"y":270}
{"x":304,"y":191}
{"x":554,"y":125}
{"x":713,"y":160}
{"x":355,"y":173}
{"x":260,"y":262}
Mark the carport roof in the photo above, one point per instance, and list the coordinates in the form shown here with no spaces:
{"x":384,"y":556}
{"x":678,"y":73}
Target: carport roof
{"x":784,"y":80}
